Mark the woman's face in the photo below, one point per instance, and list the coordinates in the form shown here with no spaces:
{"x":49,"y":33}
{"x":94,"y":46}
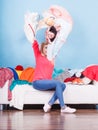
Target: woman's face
{"x":50,"y":35}
{"x":45,"y":50}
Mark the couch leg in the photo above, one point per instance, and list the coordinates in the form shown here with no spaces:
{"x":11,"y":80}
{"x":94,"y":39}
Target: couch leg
{"x":1,"y":107}
{"x":97,"y":106}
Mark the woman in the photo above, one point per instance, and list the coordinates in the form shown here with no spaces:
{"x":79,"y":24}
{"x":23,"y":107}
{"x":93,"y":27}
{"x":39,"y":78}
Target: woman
{"x":42,"y":79}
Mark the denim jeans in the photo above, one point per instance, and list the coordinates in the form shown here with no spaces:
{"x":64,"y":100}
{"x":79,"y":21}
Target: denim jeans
{"x":58,"y":86}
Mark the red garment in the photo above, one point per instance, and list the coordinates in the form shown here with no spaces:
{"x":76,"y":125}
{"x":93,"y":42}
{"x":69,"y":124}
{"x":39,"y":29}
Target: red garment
{"x":44,"y":67}
{"x":91,"y":72}
{"x":69,"y":79}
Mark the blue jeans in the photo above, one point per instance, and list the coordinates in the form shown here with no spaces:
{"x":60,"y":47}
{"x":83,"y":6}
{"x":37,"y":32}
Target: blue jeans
{"x":58,"y":86}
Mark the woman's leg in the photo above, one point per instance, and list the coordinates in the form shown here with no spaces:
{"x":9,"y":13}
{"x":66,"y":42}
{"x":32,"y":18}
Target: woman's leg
{"x":59,"y":88}
{"x":52,"y":84}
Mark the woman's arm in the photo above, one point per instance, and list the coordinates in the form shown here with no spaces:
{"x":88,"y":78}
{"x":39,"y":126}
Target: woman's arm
{"x":29,"y":32}
{"x":35,"y":47}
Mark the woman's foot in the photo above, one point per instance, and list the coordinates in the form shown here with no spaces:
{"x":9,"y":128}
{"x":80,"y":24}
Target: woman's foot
{"x":68,"y":110}
{"x":46,"y":108}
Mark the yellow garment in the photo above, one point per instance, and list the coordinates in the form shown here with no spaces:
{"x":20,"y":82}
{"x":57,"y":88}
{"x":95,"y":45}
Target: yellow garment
{"x":19,"y":72}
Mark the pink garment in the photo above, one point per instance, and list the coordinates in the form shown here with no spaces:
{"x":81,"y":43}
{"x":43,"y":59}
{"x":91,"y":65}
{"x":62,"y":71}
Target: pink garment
{"x":44,"y":67}
{"x":6,"y":74}
{"x":60,"y":12}
{"x":91,"y":72}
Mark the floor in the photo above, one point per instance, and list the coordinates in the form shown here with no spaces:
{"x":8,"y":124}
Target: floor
{"x":36,"y":119}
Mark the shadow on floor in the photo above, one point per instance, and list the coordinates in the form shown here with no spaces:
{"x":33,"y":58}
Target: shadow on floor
{"x":55,"y":106}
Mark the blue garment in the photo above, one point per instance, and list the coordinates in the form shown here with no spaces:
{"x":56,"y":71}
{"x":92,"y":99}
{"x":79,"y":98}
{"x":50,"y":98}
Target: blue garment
{"x":19,"y":82}
{"x":15,"y":73}
{"x":57,"y":72}
{"x":58,"y":86}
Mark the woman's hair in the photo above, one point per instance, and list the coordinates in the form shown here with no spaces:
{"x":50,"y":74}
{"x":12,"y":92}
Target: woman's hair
{"x":53,"y":30}
{"x":42,"y":46}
